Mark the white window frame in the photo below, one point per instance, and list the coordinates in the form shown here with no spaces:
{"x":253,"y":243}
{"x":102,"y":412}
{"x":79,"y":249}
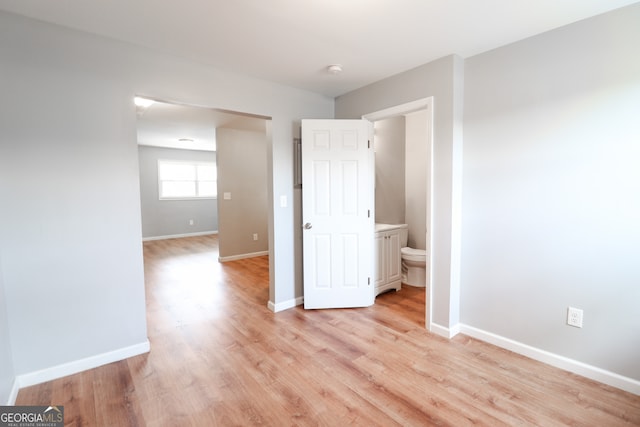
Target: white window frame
{"x":195,"y":164}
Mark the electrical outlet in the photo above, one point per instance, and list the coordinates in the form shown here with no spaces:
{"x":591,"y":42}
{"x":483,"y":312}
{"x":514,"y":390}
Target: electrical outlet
{"x":190,"y":222}
{"x":574,"y":317}
{"x":255,"y":236}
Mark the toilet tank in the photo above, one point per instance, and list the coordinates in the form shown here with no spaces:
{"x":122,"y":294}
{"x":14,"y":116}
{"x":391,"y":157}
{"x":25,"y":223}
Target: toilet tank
{"x":404,"y":234}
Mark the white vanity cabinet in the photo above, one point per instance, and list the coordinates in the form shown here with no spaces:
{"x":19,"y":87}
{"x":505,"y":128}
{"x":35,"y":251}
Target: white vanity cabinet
{"x":388,"y":241}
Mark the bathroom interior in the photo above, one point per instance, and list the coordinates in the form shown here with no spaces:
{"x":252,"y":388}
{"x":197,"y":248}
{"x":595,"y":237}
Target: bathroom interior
{"x":401,"y":170}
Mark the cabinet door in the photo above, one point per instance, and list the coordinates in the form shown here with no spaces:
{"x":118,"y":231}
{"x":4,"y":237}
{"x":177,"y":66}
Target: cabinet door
{"x":394,"y":266}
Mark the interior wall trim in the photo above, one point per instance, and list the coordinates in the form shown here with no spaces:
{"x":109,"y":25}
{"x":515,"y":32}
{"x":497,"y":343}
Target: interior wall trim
{"x":592,"y":372}
{"x":13,"y":394}
{"x":177,"y":236}
{"x":285,"y":305}
{"x":443,"y":331}
{"x":242,"y":256}
{"x":70,"y":368}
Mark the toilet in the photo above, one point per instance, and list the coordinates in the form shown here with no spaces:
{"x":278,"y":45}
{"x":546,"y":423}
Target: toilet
{"x":414,"y":263}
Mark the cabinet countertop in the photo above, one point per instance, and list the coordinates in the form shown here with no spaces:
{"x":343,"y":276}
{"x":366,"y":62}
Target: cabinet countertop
{"x":386,"y":227}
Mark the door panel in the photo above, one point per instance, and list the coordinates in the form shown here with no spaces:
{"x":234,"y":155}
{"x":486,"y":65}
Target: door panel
{"x":395,"y":266}
{"x":337,"y":205}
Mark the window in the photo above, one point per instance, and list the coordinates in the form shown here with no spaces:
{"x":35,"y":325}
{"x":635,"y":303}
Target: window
{"x":187,"y":180}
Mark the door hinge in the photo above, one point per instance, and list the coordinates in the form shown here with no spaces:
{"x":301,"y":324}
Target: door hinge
{"x":368,"y":213}
{"x":368,"y":143}
{"x":368,"y":281}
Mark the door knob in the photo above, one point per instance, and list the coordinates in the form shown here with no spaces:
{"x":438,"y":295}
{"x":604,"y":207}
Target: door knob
{"x":307,"y":226}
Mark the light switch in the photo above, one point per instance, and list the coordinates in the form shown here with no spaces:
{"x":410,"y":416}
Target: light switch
{"x":283,"y":201}
{"x":227,"y":196}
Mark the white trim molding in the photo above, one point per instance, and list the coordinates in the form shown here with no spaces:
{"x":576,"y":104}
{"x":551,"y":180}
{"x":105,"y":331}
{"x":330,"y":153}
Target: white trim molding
{"x":400,"y":110}
{"x":405,"y":109}
{"x":444,"y":331}
{"x":177,"y":236}
{"x":285,"y":305}
{"x":13,"y":394}
{"x":80,"y":365}
{"x":592,"y":372}
{"x":242,"y":256}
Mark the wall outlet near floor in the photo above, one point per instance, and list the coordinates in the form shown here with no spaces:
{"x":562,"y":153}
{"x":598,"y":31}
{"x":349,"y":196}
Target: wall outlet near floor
{"x":255,"y":236}
{"x":190,"y":222}
{"x":574,"y":317}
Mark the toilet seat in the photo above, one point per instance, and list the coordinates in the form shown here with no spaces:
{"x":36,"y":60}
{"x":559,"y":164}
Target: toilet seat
{"x":411,"y":254}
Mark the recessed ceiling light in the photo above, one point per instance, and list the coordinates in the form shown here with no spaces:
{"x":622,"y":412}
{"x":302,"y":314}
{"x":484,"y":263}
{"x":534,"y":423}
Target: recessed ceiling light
{"x":143,"y":102}
{"x":334,"y":69}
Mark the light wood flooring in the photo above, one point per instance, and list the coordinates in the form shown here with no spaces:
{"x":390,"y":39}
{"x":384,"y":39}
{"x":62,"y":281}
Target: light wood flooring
{"x":219,"y":357}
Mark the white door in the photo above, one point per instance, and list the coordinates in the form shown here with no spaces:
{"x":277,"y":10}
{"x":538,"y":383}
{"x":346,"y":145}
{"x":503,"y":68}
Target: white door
{"x":337,"y":213}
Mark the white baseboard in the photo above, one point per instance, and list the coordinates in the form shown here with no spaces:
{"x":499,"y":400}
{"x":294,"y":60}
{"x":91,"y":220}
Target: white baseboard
{"x":76,"y":366}
{"x":177,"y":236}
{"x":444,"y":331}
{"x":242,"y":256}
{"x":583,"y":369}
{"x":285,"y":305}
{"x":13,"y":394}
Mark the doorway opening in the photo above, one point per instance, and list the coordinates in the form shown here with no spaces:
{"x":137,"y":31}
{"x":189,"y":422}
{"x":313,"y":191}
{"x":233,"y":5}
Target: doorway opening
{"x":233,"y":205}
{"x":418,"y":213}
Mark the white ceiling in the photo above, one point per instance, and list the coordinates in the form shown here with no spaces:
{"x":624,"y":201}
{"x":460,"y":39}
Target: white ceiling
{"x":293,"y":41}
{"x":163,"y":125}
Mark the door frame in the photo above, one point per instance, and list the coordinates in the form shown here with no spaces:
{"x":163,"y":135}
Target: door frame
{"x":399,"y":110}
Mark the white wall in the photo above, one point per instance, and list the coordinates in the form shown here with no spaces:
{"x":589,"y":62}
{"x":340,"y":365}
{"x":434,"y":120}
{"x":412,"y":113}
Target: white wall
{"x":441,"y":79}
{"x":171,"y":217}
{"x":70,"y":223}
{"x":242,"y":172}
{"x":551,"y":203}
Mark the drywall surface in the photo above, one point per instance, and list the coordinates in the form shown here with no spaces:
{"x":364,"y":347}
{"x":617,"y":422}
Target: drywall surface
{"x":69,"y":177}
{"x":389,"y":145}
{"x":416,"y":177}
{"x":242,"y":176}
{"x":173,"y":217}
{"x":551,"y":191}
{"x":7,"y":373}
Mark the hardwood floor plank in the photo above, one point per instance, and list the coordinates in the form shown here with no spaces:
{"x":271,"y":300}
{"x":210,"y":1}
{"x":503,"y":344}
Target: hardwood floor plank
{"x":41,"y":394}
{"x":77,"y":393}
{"x":114,"y":396}
{"x":219,"y":357}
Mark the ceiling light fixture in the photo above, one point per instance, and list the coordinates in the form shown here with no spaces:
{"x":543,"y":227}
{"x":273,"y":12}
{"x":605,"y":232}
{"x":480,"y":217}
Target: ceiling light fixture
{"x":185,"y":140}
{"x":143,"y":102}
{"x":334,"y":69}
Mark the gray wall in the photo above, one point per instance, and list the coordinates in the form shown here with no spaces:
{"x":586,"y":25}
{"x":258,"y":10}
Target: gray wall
{"x":552,"y":191}
{"x":242,"y":171}
{"x":171,"y":217}
{"x":69,"y":182}
{"x":7,"y":373}
{"x":71,"y":249}
{"x":442,"y":79}
{"x":390,"y":166}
